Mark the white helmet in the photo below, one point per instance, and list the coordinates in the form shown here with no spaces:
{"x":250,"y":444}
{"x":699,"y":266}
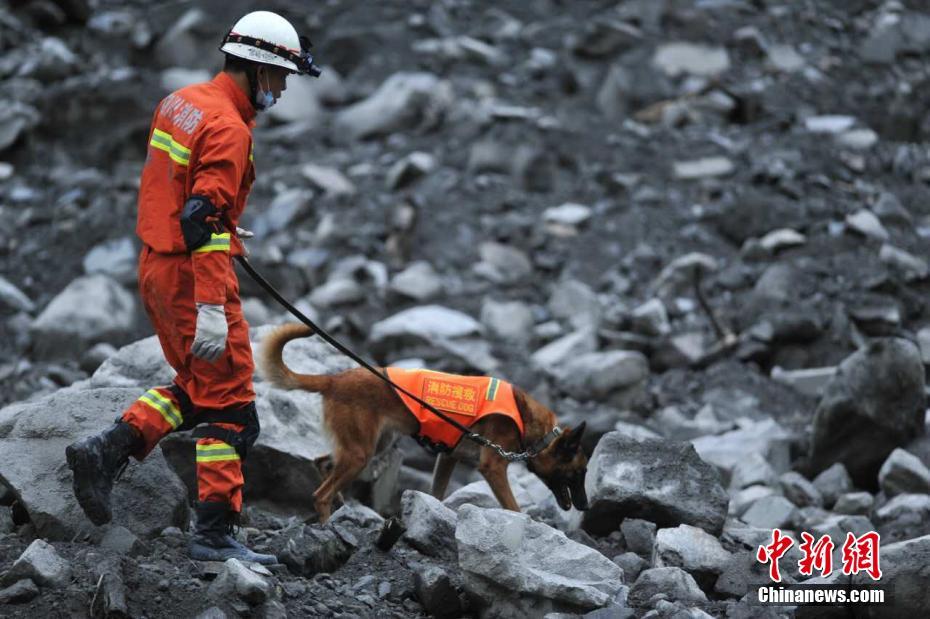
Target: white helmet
{"x":268,"y":38}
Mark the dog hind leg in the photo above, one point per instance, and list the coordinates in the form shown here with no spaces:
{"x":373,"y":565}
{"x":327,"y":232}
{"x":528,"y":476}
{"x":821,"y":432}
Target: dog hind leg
{"x":442,"y":472}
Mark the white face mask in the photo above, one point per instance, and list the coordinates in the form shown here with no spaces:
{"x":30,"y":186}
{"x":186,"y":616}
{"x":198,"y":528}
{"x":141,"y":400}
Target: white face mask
{"x":264,"y":99}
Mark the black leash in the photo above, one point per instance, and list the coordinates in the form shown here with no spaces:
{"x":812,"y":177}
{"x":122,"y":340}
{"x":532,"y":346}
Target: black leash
{"x":510,"y":456}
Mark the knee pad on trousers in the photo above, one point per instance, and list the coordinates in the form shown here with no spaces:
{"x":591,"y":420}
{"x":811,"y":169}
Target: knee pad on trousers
{"x":242,"y":440}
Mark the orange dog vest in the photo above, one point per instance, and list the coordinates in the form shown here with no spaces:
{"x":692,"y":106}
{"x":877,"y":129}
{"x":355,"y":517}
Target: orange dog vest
{"x":465,"y":399}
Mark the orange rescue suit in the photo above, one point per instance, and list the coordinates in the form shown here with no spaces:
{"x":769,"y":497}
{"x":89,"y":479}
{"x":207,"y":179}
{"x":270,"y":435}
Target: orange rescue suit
{"x":200,"y":144}
{"x":466,"y":399}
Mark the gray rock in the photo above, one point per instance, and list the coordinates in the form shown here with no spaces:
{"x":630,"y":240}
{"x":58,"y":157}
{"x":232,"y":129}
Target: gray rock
{"x":329,"y":180}
{"x":117,"y":258}
{"x":14,"y":298}
{"x":830,"y":123}
{"x":33,"y":437}
{"x":6,"y":520}
{"x":410,"y":168}
{"x":503,"y":264}
{"x":404,"y":100}
{"x":338,"y":291}
{"x":427,"y":322}
{"x":744,"y":573}
{"x":237,"y":580}
{"x":677,"y":58}
{"x":511,"y":321}
{"x":780,"y":239}
{"x":614,"y":93}
{"x":908,"y":265}
{"x":799,"y":490}
{"x":599,"y":375}
{"x":752,"y":470}
{"x":16,"y":119}
{"x":93,"y":358}
{"x":313,"y":550}
{"x":903,"y":567}
{"x":672,"y":582}
{"x":890,"y":210}
{"x":299,"y":103}
{"x":785,"y":58}
{"x":437,"y":594}
{"x":809,"y":381}
{"x":903,"y":517}
{"x":854,"y":503}
{"x":766,"y":438}
{"x":639,"y":535}
{"x":903,"y":473}
{"x":833,"y":482}
{"x":140,"y":364}
{"x":867,"y":224}
{"x":256,"y":312}
{"x":19,"y":592}
{"x":632,"y":565}
{"x":692,"y":549}
{"x":707,"y":167}
{"x":874,"y":403}
{"x":565,"y":348}
{"x":662,"y":481}
{"x":742,"y":500}
{"x":566,"y":219}
{"x":69,"y":323}
{"x":678,"y":275}
{"x":770,"y":512}
{"x":284,"y":210}
{"x":430,"y":524}
{"x":419,"y":281}
{"x":122,"y":541}
{"x":576,"y":303}
{"x":511,"y":554}
{"x":857,"y":139}
{"x":41,"y":563}
{"x":836,"y":526}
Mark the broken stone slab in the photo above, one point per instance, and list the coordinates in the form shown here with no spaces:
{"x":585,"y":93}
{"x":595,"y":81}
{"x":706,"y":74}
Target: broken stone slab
{"x":857,"y":139}
{"x":33,"y":437}
{"x":69,"y":323}
{"x":560,"y":351}
{"x":529,"y":564}
{"x":904,"y":566}
{"x":854,"y":504}
{"x":874,"y":404}
{"x":330,"y":180}
{"x":41,"y":563}
{"x":765,"y":437}
{"x":903,"y":473}
{"x":707,"y":167}
{"x":402,"y":101}
{"x":833,"y":482}
{"x":117,"y":258}
{"x":427,"y":322}
{"x":780,"y":239}
{"x":797,"y":489}
{"x":575,"y":302}
{"x":568,"y":216}
{"x":600,"y":375}
{"x":692,"y":549}
{"x":511,"y":321}
{"x":503,"y":264}
{"x":419,"y":281}
{"x":675,"y":59}
{"x":752,"y":470}
{"x":640,"y":536}
{"x":662,"y":481}
{"x":237,"y":580}
{"x":430,"y":524}
{"x":410,"y":168}
{"x":867,"y":224}
{"x":809,"y":381}
{"x":672,"y":582}
{"x":911,"y":267}
{"x":903,"y":517}
{"x":338,"y":291}
{"x":771,"y":512}
{"x":829,"y":123}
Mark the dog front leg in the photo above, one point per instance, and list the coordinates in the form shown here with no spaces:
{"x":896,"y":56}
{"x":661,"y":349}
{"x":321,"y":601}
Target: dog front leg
{"x":494,"y":470}
{"x":442,"y":472}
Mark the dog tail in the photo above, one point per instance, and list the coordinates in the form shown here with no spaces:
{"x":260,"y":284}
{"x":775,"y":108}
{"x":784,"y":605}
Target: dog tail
{"x":273,"y":368}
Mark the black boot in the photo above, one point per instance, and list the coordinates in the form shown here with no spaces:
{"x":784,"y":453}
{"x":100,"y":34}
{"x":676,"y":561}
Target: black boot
{"x":96,"y":461}
{"x":213,"y":540}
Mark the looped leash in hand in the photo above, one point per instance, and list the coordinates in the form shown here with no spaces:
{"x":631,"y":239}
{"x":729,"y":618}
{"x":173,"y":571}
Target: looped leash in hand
{"x":510,"y":456}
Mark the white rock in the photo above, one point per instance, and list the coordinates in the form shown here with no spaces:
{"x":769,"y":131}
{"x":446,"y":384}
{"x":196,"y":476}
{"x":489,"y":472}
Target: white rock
{"x":428,"y":321}
{"x":299,"y":103}
{"x":430,"y":524}
{"x":117,"y":258}
{"x":782,"y":238}
{"x":509,"y":320}
{"x":690,"y":548}
{"x":557,"y":352}
{"x":237,"y":579}
{"x":866,"y":223}
{"x":568,"y":214}
{"x":677,"y":58}
{"x":829,"y":124}
{"x":911,"y":266}
{"x":42,"y":563}
{"x":703,"y":168}
{"x":770,"y":512}
{"x":857,"y":139}
{"x":904,"y":473}
{"x":330,"y":180}
{"x":13,"y":297}
{"x":809,"y":381}
{"x":419,"y":281}
{"x":503,"y":264}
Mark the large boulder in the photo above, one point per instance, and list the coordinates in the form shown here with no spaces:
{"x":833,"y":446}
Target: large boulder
{"x":33,"y":437}
{"x":665,"y":482}
{"x":526,"y":568}
{"x":71,"y":323}
{"x":904,"y":573}
{"x":403,"y":101}
{"x":874,"y":404}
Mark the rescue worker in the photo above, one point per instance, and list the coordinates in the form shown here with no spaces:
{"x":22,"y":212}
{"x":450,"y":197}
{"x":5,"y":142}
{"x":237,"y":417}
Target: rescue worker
{"x":195,"y":181}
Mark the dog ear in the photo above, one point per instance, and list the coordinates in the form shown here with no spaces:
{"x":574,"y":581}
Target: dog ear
{"x":571,"y":440}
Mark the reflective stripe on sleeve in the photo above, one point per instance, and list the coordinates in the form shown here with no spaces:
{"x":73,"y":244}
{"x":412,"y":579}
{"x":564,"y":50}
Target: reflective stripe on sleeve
{"x":162,"y":140}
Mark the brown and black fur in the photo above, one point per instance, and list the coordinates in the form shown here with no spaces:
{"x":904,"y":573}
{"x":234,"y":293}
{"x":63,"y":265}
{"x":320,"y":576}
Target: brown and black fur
{"x":358,"y":407}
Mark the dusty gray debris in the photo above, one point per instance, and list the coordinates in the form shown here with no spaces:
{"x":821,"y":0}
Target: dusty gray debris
{"x":19,"y":592}
{"x":639,"y":535}
{"x":833,"y":482}
{"x":672,"y":582}
{"x":770,"y":512}
{"x":430,"y":524}
{"x":436,"y":592}
{"x":692,"y":549}
{"x":237,"y":580}
{"x":903,"y":473}
{"x":799,"y":490}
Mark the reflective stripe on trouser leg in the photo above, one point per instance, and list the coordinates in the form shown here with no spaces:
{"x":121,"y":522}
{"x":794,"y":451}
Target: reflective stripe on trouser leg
{"x":156,"y":413}
{"x":219,"y":471}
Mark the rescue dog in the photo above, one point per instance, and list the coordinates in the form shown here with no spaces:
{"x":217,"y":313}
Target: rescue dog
{"x":358,"y":407}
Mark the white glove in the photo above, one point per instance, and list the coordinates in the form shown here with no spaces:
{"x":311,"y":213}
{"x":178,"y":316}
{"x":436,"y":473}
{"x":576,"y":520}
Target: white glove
{"x":244,"y":234}
{"x":210,"y":334}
